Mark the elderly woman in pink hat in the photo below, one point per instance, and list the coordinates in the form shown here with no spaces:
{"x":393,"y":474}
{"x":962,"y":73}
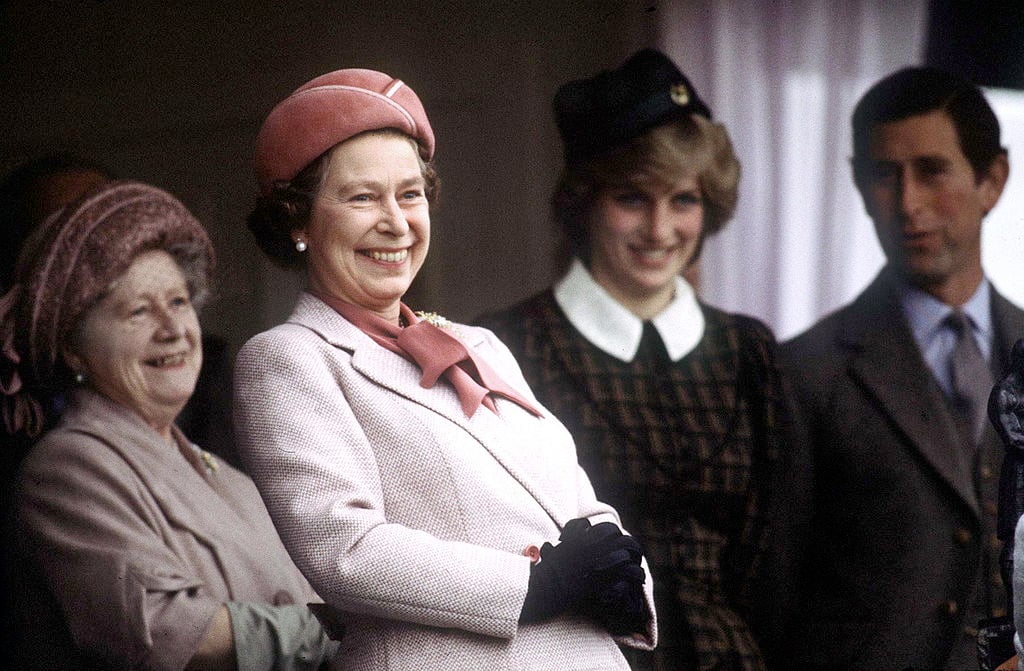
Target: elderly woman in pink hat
{"x":133,"y":547}
{"x":409,"y":469}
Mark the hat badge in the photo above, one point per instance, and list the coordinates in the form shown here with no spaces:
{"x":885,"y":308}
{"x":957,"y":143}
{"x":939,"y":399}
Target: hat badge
{"x":679,"y":94}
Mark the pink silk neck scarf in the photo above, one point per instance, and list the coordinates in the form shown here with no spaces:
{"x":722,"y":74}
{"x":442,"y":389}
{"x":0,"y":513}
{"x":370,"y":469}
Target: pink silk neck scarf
{"x":437,"y":352}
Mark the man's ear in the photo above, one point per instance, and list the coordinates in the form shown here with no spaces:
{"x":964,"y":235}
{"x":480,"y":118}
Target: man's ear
{"x":993,"y":181}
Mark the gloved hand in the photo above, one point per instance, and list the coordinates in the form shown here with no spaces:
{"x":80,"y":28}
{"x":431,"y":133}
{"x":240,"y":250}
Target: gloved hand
{"x":621,"y":607}
{"x":588,"y":560}
{"x":618,"y":603}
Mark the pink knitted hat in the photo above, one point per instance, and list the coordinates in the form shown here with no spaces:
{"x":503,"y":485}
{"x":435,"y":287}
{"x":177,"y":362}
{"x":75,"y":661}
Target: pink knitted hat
{"x":331,"y":109}
{"x":64,"y":269}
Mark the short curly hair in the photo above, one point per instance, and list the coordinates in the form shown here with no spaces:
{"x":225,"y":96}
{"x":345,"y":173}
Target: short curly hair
{"x":688,"y":145}
{"x":288,"y":206}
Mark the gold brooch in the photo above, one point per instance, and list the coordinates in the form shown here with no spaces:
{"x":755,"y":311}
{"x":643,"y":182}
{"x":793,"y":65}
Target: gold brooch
{"x":208,"y":459}
{"x":679,"y":94}
{"x":437,"y":320}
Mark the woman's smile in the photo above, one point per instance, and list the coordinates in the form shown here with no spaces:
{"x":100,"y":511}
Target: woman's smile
{"x":397,"y":256}
{"x":168,"y":361}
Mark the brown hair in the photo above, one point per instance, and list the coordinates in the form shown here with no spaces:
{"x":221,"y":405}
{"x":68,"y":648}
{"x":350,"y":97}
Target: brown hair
{"x":288,"y":206}
{"x":919,"y":90}
{"x":689,"y":145}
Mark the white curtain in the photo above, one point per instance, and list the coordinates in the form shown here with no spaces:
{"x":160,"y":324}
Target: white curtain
{"x":783,"y":77}
{"x":1002,"y":236}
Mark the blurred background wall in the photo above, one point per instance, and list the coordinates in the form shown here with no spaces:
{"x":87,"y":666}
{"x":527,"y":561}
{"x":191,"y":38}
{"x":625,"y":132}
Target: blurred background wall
{"x":173,"y":94}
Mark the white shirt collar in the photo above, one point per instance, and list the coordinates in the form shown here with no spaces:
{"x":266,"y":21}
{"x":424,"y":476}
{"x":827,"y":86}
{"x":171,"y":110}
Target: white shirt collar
{"x":613,"y":329}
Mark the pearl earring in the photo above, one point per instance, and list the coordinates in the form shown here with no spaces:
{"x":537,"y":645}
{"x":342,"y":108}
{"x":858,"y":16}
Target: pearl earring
{"x":300,"y":245}
{"x":79,"y":378}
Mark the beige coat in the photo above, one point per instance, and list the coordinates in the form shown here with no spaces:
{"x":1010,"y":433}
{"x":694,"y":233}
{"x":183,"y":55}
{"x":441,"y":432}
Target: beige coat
{"x":126,"y":551}
{"x":407,"y":516}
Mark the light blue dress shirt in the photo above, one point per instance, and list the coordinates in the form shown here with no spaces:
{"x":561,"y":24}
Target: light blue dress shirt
{"x":926,"y":316}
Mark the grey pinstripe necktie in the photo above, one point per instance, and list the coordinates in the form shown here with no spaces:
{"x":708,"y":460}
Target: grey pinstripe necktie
{"x":970,"y":375}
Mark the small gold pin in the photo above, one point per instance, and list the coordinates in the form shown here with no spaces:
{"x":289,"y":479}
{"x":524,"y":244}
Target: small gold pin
{"x":439,"y":321}
{"x":679,"y":94}
{"x":435,"y":319}
{"x":209,"y":460}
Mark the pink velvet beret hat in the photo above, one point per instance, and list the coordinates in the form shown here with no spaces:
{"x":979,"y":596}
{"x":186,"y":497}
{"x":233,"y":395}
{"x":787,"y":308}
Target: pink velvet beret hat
{"x":331,"y":109}
{"x":66,"y":266}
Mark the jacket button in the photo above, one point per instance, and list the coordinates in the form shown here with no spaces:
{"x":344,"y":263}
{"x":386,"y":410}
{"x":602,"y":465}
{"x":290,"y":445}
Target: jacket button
{"x":986,"y":472}
{"x":533,"y":552}
{"x":963,"y":537}
{"x":950,"y":607}
{"x":991,"y":508}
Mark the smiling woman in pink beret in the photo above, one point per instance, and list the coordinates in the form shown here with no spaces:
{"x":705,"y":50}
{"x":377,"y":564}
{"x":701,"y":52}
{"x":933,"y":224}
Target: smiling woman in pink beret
{"x":407,"y":465}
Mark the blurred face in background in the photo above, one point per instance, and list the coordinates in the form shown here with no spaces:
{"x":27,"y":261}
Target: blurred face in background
{"x":59,"y":189}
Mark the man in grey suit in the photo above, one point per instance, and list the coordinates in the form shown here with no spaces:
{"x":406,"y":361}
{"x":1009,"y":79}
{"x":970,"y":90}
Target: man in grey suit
{"x":899,"y":560}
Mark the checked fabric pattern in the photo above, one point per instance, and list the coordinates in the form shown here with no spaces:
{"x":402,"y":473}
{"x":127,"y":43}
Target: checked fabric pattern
{"x":683,"y":451}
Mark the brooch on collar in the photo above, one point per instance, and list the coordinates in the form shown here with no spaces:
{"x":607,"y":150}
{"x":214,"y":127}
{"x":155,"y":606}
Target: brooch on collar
{"x":437,"y":320}
{"x":209,"y":460}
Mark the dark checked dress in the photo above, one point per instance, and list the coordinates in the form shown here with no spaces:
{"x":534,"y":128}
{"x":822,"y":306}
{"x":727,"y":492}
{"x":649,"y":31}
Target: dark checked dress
{"x":683,"y":450}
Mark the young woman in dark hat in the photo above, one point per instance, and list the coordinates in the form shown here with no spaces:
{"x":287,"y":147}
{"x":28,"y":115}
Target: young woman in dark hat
{"x":673,"y":404}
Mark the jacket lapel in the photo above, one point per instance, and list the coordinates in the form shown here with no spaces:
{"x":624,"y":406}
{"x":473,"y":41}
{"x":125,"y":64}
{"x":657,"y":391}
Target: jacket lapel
{"x":184,"y":495}
{"x":885,"y":359}
{"x":391,"y":371}
{"x":377,"y":364}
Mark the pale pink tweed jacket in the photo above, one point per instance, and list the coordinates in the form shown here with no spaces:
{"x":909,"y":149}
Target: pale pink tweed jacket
{"x":406,"y":516}
{"x":126,"y":551}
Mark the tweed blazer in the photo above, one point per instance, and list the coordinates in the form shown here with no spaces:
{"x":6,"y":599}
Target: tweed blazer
{"x":408,"y":517}
{"x":126,"y":550}
{"x":900,"y":521}
{"x":686,"y":452}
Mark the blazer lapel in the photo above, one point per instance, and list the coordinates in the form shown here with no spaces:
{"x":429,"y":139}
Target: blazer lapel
{"x":391,"y":371}
{"x":887,"y":362}
{"x":185,"y":496}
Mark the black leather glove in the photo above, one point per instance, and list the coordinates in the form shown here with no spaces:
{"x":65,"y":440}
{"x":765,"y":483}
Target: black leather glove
{"x":573,"y":572}
{"x":618,"y":603}
{"x":621,"y":607}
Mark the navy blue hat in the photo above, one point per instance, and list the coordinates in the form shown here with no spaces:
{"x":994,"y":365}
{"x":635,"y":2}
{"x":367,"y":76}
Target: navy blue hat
{"x":607,"y":110}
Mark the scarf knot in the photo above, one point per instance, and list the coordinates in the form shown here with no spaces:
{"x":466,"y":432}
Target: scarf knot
{"x":437,"y":353}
